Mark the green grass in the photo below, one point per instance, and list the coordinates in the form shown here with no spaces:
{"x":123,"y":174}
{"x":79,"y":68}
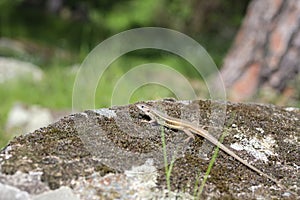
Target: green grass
{"x":168,"y":169}
{"x":149,"y":91}
{"x":55,"y":91}
{"x":198,"y":191}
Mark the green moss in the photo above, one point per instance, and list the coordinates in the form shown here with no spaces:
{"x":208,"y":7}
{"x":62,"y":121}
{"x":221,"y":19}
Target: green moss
{"x":62,"y":155}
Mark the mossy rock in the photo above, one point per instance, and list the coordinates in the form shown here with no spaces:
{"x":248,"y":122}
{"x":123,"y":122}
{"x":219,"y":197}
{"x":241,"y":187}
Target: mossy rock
{"x":112,"y":153}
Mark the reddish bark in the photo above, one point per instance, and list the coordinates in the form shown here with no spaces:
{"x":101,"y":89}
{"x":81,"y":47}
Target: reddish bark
{"x":266,"y":50}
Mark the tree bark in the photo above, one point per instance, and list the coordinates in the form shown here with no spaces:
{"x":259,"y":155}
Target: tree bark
{"x":266,"y":51}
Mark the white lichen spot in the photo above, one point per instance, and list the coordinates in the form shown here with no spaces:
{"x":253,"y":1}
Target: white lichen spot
{"x":297,"y":167}
{"x":254,"y":188}
{"x":144,"y":175}
{"x":233,"y":125}
{"x":260,"y":149}
{"x":7,"y":155}
{"x":291,"y":109}
{"x":84,"y":114}
{"x":268,"y":141}
{"x":185,"y":102}
{"x":106,"y":112}
{"x":286,"y":194}
{"x":237,"y":146}
{"x":260,"y":130}
{"x":257,"y":154}
{"x":291,"y":138}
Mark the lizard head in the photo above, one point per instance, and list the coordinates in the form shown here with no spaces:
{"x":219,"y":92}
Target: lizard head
{"x":143,"y":107}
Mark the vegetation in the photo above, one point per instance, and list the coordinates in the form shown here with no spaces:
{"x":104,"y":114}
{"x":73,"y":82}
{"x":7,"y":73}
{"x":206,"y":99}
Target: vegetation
{"x":80,"y":25}
{"x":55,"y":91}
{"x":56,"y":36}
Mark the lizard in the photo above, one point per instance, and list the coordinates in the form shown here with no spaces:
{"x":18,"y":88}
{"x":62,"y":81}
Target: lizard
{"x":190,"y":128}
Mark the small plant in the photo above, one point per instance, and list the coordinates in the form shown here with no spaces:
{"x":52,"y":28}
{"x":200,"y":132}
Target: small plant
{"x":168,"y":169}
{"x":198,"y":191}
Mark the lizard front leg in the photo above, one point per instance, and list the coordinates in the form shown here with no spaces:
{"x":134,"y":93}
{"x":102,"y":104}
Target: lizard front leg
{"x":189,"y":134}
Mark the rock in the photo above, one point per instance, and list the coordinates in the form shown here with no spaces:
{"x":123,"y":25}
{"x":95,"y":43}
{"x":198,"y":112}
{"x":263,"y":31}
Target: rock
{"x":12,"y":193}
{"x":27,"y":118}
{"x":112,"y":154}
{"x":12,"y":69}
{"x":63,"y":193}
{"x":8,"y":192}
{"x":25,"y":182}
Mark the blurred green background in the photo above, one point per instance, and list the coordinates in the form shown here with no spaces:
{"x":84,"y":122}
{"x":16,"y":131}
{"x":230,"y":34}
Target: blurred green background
{"x":58,"y":34}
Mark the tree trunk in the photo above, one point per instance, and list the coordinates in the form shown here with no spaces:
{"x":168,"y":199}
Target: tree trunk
{"x":265,"y":55}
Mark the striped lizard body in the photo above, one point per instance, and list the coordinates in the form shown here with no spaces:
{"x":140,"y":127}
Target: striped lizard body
{"x":189,"y":129}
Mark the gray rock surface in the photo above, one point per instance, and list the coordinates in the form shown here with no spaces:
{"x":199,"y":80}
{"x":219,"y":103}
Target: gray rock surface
{"x":13,"y":69}
{"x":28,"y":182}
{"x":113,"y":154}
{"x":24,"y":118}
{"x":63,"y":193}
{"x":8,"y":192}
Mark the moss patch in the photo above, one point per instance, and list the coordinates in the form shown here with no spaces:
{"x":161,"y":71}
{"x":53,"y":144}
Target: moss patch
{"x":61,"y":152}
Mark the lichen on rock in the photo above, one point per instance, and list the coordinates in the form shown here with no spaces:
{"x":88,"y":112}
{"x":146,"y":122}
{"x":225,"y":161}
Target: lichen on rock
{"x":89,"y":151}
